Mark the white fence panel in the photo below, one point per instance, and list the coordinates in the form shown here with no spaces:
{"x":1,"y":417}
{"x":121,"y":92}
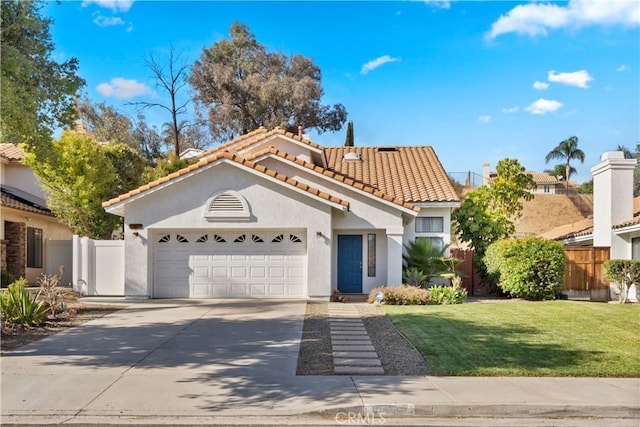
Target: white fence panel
{"x":98,"y":267}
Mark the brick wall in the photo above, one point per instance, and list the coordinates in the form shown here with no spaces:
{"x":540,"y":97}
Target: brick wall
{"x":15,"y":234}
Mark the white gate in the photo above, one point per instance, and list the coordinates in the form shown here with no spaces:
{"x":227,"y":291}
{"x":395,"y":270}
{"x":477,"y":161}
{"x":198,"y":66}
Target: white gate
{"x":98,"y":266}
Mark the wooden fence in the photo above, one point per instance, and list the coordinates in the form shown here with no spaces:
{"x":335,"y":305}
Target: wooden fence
{"x":584,"y":272}
{"x":470,"y":277}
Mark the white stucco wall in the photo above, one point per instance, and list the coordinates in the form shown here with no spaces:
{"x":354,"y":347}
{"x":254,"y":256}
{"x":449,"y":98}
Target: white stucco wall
{"x":410,"y":233}
{"x":612,"y":199}
{"x":181,"y":206}
{"x":366,"y":214}
{"x":21,"y":177}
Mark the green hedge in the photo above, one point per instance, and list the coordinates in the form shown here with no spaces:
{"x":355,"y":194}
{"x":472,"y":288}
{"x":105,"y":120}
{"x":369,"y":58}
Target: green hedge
{"x":530,"y":268}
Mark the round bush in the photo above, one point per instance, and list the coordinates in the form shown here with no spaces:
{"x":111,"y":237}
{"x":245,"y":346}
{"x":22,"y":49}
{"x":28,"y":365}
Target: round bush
{"x":531,"y":268}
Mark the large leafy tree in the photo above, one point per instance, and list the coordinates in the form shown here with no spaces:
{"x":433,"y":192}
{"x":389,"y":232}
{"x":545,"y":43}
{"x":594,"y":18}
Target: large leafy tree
{"x":106,"y":124}
{"x":244,"y":86}
{"x":78,"y":174}
{"x":37,"y":94}
{"x":566,"y":151}
{"x":489,"y":213}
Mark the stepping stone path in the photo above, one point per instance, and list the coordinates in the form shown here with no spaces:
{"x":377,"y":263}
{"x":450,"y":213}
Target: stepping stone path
{"x":353,"y":351}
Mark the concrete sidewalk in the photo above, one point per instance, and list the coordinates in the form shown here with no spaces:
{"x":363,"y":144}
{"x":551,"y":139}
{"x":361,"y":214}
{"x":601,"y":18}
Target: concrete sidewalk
{"x":195,"y":362}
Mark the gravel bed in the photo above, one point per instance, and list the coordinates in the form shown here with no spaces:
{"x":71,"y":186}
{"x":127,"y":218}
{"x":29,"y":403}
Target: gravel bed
{"x":397,"y":355}
{"x":315,"y":356}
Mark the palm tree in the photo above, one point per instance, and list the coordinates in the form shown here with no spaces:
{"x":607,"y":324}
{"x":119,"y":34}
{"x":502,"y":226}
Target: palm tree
{"x":566,"y":150}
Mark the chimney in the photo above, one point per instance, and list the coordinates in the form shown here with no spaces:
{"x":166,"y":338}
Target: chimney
{"x":612,"y":199}
{"x":485,"y":173}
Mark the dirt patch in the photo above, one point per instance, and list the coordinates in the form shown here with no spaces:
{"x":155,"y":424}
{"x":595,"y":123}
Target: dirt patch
{"x":545,"y":212}
{"x":77,"y":313}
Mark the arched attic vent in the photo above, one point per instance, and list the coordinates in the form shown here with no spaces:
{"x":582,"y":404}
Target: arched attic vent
{"x":228,"y":204}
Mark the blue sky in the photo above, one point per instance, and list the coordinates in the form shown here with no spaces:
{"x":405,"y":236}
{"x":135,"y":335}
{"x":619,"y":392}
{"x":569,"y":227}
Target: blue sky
{"x":479,"y":81}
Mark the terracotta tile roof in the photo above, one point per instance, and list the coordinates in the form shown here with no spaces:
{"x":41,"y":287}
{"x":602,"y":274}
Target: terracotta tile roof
{"x":575,"y":229}
{"x":11,"y":201}
{"x":636,"y":216}
{"x":412,"y":174}
{"x":542,"y":178}
{"x":240,"y":160}
{"x":336,"y":176}
{"x":11,"y":152}
{"x":254,"y":137}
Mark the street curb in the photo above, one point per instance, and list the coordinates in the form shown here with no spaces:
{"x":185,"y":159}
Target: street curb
{"x":490,"y":410}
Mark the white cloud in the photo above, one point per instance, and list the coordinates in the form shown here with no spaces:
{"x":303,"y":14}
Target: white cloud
{"x":440,"y":4}
{"x":540,"y":85}
{"x":511,"y":110}
{"x":484,"y":119}
{"x":536,"y":19}
{"x":623,"y":67}
{"x":577,"y":78}
{"x":104,"y":21}
{"x":378,"y":62}
{"x":543,"y":106}
{"x":123,"y":88}
{"x":113,"y":5}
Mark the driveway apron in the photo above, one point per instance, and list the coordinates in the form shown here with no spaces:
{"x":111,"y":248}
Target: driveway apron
{"x":178,"y":357}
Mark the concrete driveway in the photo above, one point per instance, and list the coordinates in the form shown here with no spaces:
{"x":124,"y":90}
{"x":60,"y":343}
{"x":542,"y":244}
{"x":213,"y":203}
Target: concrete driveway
{"x":178,"y":357}
{"x":233,"y":361}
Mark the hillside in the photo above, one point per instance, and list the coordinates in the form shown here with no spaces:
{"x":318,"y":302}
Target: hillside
{"x":546,"y":211}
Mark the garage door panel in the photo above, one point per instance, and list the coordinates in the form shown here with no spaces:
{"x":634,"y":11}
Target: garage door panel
{"x":214,"y":264}
{"x":277,"y":289}
{"x":220,"y":290}
{"x":295,"y":290}
{"x":238,"y":290}
{"x":258,"y":289}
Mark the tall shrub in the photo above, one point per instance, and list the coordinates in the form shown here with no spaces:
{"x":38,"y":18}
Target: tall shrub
{"x":531,"y":268}
{"x":625,"y":272}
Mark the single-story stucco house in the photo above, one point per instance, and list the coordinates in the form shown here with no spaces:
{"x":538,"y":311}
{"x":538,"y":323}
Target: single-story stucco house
{"x":272,"y":214}
{"x":32,"y":240}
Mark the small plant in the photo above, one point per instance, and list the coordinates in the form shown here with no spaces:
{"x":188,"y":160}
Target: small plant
{"x":415,"y":277}
{"x":7,"y":278}
{"x":17,"y":305}
{"x":51,"y":292}
{"x":401,"y":295}
{"x":625,"y":273}
{"x":425,"y":257}
{"x":448,"y":294}
{"x":336,"y":296}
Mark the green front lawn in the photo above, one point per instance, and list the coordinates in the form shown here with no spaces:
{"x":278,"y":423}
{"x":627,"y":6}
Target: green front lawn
{"x":521,"y":338}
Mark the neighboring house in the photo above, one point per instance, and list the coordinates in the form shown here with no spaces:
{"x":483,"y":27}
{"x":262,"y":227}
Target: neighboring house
{"x":545,"y":183}
{"x":273,"y":214}
{"x":191,"y":153}
{"x":31,"y":238}
{"x":616,"y":213}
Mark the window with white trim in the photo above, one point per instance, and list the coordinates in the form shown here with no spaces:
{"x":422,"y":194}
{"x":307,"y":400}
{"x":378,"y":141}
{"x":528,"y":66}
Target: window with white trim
{"x":430,"y":224}
{"x":635,"y":248}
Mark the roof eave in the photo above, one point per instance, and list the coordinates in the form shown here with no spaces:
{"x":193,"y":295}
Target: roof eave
{"x":413,"y":212}
{"x":117,"y":208}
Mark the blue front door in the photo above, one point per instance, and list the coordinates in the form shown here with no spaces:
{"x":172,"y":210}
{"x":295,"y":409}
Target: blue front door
{"x":350,"y":264}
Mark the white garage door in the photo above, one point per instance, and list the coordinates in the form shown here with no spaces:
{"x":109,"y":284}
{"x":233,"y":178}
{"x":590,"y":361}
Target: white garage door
{"x":230,"y":264}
